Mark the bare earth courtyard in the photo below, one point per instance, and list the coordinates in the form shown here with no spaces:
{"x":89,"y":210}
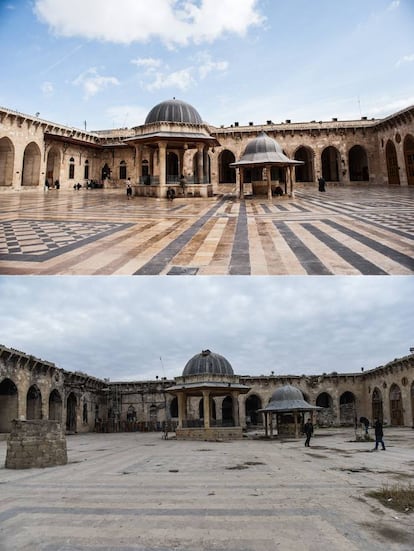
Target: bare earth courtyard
{"x":362,"y":229}
{"x":136,"y":491}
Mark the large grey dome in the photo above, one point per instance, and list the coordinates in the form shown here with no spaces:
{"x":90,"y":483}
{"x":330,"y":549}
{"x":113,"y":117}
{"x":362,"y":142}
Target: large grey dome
{"x":287,"y":392}
{"x":174,"y":110}
{"x":264,"y":150}
{"x":262,"y":144}
{"x":208,"y":362}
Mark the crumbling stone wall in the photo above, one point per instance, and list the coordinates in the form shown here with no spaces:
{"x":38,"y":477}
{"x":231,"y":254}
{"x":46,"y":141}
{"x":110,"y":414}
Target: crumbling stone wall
{"x":36,"y":443}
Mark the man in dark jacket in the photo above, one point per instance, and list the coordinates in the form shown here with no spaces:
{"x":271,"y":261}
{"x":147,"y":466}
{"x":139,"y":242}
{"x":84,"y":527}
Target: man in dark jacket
{"x":308,"y":430}
{"x":379,"y":434}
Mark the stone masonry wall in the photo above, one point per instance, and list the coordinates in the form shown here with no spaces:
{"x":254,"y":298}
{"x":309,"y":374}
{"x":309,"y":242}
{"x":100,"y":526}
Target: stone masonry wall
{"x":36,"y":444}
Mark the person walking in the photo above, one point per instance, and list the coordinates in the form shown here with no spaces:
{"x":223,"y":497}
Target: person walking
{"x":379,"y":434}
{"x":308,"y":430}
{"x":321,"y":184}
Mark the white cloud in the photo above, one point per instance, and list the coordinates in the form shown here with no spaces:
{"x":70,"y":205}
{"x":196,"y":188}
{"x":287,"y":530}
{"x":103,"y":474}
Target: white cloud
{"x":149,"y":63}
{"x":173,"y":21}
{"x":47,"y":89}
{"x":405,"y":59}
{"x":93,"y":83}
{"x":207,"y":65}
{"x":181,"y":80}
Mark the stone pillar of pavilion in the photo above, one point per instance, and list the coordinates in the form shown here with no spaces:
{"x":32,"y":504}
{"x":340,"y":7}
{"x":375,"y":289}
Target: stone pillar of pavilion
{"x":200,"y":163}
{"x":162,"y":166}
{"x":206,"y":406}
{"x":182,"y":410}
{"x":181,"y":161}
{"x":235,"y":405}
{"x":138,"y":161}
{"x":269,"y":182}
{"x":206,"y":165}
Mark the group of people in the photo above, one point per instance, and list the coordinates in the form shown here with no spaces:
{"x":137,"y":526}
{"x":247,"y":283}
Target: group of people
{"x":378,"y":429}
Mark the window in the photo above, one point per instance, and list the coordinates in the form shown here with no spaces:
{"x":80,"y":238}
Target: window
{"x":71,"y":168}
{"x":86,"y":171}
{"x":122,"y":170}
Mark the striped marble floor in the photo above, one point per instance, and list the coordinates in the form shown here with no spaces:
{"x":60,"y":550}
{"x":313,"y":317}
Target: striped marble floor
{"x":347,"y":230}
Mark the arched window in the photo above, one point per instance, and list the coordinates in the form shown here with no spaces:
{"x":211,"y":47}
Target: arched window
{"x":377,"y":412}
{"x":8,"y":404}
{"x":6,"y":162}
{"x":122,"y":170}
{"x":409,"y":158}
{"x":71,"y":168}
{"x":34,"y":403}
{"x":227,"y":175}
{"x":347,"y":410}
{"x":106,"y":172}
{"x":253,"y":403}
{"x":55,"y":406}
{"x":358,"y":164}
{"x":31,"y":165}
{"x":172,"y":167}
{"x":131,"y":414}
{"x":305,"y":172}
{"x":86,"y":170}
{"x":227,"y":411}
{"x":396,"y":406}
{"x":71,"y":413}
{"x":324,"y":400}
{"x":212,"y":409}
{"x":392,"y":164}
{"x":330,"y":164}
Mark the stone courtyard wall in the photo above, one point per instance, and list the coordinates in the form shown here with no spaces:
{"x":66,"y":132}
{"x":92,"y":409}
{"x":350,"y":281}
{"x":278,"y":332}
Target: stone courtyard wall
{"x":36,"y":444}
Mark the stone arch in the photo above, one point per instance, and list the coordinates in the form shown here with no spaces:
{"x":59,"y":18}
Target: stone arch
{"x":71,"y":412}
{"x":174,"y":408}
{"x":55,"y":406}
{"x":31,"y":165}
{"x":8,"y":404}
{"x":409,"y":158}
{"x":173,"y":165}
{"x":358,"y":164}
{"x":106,"y":172}
{"x":305,"y":172}
{"x":227,"y":175}
{"x":392,"y":164}
{"x":347,"y":408}
{"x":34,"y":403}
{"x":330,"y":160}
{"x":122,"y":170}
{"x":6,"y":162}
{"x":131,"y":414}
{"x":252,"y":404}
{"x":227,"y":411}
{"x":377,"y":409}
{"x":53,"y":163}
{"x":396,"y":406}
{"x":325,"y":416}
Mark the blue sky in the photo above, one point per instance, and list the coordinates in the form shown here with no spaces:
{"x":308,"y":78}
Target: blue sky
{"x":119,"y":327}
{"x":107,"y":63}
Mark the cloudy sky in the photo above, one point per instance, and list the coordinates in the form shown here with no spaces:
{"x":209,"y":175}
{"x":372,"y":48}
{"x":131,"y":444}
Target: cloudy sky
{"x":120,"y":327}
{"x":108,"y":63}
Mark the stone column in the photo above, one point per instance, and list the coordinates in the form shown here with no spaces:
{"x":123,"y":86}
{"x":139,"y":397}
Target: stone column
{"x":271,"y":425}
{"x":206,"y":165}
{"x":162,"y":151}
{"x":138,"y":160}
{"x":235,"y":403}
{"x":239,"y":183}
{"x":181,"y":162}
{"x":266,"y":425}
{"x":206,"y":407}
{"x":200,"y":163}
{"x":182,"y":414}
{"x":402,"y":169}
{"x":269,"y":182}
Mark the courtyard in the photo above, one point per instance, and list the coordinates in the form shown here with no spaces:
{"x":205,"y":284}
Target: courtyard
{"x":349,"y":230}
{"x":137,"y":491}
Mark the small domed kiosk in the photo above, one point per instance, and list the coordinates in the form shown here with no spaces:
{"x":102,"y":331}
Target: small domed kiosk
{"x":261,"y":157}
{"x":289,"y":407}
{"x":209,"y":381}
{"x":174,"y":135}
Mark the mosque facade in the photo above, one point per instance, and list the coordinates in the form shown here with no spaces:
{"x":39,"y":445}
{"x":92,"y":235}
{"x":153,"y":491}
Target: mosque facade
{"x":32,"y":388}
{"x":175,"y":142}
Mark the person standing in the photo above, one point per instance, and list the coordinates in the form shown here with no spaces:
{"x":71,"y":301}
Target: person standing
{"x":379,"y":434}
{"x":321,"y":184}
{"x":129,"y":191}
{"x":365,"y":422}
{"x":308,"y":430}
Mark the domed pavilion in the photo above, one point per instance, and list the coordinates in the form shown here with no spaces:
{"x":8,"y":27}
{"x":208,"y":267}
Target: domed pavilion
{"x":173,"y":129}
{"x":208,"y":376}
{"x":269,"y":167}
{"x":289,"y":407}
